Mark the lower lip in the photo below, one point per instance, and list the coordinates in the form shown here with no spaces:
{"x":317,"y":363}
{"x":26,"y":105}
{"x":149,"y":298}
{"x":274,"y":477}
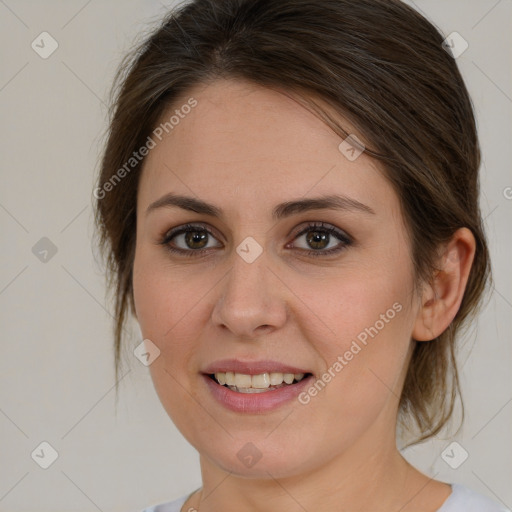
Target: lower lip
{"x":255,"y":402}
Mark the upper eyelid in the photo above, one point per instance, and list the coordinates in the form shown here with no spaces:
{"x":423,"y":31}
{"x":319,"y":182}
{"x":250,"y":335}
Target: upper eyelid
{"x":183,"y":228}
{"x":320,"y":225}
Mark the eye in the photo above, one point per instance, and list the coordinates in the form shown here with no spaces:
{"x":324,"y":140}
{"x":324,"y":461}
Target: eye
{"x":192,"y":239}
{"x":320,"y":239}
{"x":188,"y":239}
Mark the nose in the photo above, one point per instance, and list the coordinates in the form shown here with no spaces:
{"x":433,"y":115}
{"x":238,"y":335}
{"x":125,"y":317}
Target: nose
{"x":252,"y":301}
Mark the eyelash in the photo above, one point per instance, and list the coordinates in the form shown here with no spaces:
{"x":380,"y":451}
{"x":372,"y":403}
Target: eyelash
{"x":318,"y":226}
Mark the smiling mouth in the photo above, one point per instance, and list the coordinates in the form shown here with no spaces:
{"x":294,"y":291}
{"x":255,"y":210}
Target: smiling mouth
{"x":261,"y":383}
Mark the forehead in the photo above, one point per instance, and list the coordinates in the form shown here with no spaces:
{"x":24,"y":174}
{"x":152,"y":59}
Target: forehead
{"x":242,"y":142}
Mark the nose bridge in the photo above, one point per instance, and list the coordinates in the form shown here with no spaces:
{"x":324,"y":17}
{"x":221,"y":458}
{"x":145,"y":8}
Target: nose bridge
{"x":251,"y":296}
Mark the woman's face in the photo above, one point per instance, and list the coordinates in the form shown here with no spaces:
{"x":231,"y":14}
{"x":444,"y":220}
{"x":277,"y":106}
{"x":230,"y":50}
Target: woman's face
{"x":256,"y":292}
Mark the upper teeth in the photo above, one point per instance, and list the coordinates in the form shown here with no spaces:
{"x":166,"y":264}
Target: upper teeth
{"x":261,"y":381}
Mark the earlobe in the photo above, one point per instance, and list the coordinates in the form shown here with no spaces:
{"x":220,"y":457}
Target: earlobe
{"x":441,"y":298}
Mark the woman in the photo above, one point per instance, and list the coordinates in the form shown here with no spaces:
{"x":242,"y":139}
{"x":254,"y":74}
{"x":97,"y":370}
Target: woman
{"x":289,"y":203}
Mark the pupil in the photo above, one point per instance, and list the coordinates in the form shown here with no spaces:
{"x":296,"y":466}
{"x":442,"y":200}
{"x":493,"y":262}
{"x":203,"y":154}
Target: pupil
{"x":193,"y":237}
{"x":316,"y":238}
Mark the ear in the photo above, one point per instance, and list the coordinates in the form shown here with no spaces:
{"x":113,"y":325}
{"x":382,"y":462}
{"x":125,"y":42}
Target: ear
{"x":441,"y":299}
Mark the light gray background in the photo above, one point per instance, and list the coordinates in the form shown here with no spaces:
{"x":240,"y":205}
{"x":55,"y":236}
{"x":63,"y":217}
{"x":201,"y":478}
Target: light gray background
{"x":56,"y":369}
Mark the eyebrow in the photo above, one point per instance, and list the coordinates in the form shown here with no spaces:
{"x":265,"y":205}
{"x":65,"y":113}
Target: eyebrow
{"x":282,"y":210}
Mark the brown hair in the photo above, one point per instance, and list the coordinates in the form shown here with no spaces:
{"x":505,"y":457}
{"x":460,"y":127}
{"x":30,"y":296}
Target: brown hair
{"x":380,"y":64}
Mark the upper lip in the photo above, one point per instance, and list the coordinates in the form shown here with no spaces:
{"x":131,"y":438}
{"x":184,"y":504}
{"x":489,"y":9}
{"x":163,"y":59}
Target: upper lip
{"x":251,"y":367}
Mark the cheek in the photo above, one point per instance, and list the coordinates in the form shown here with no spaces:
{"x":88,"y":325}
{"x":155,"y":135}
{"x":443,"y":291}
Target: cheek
{"x":356,"y":304}
{"x":165,"y":297}
{"x":170,"y":305}
{"x":364,"y":321}
{"x":164,"y":310}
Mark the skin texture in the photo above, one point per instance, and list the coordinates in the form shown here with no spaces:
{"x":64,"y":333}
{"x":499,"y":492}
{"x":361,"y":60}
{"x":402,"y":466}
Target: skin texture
{"x":245,"y":149}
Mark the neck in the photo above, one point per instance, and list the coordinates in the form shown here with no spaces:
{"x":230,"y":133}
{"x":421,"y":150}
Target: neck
{"x":369,"y":476}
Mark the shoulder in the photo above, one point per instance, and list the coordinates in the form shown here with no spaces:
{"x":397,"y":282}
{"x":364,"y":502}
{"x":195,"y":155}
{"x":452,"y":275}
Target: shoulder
{"x":171,"y":506}
{"x":463,"y":499}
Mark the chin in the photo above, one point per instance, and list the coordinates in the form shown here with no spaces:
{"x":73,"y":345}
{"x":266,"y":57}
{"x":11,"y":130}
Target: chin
{"x":259,"y":457}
